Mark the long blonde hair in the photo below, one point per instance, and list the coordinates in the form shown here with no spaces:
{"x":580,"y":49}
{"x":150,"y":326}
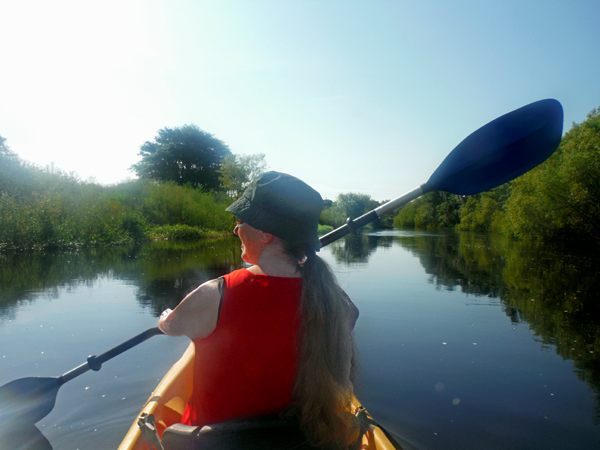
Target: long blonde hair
{"x":327,"y":355}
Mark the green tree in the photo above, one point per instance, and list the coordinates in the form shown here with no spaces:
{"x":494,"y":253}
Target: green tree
{"x":332,"y":215}
{"x":479,"y":214}
{"x":237,"y":171}
{"x":185,"y":155}
{"x":386,"y":221}
{"x":561,"y":197}
{"x":426,"y":216}
{"x":351,"y":205}
{"x":448,"y":209}
{"x":406,"y":216}
{"x":355,"y":205}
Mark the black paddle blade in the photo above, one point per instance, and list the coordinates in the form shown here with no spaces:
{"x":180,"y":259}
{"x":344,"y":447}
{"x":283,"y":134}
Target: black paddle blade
{"x":502,"y":150}
{"x":27,"y":400}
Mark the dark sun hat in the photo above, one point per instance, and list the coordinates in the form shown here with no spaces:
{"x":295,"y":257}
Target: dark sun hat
{"x":282,"y":205}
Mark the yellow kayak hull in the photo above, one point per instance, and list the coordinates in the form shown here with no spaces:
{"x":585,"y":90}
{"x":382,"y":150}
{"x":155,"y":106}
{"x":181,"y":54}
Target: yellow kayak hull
{"x":168,"y":401}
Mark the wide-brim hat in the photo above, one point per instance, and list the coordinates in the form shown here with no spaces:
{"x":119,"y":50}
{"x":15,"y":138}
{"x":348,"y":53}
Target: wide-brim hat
{"x":282,"y":205}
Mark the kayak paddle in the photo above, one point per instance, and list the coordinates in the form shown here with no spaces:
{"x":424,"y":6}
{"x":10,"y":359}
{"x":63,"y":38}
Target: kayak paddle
{"x":28,"y":400}
{"x":498,"y":152}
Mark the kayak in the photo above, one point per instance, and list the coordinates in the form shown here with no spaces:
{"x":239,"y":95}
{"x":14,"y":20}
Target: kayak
{"x":167,"y":402}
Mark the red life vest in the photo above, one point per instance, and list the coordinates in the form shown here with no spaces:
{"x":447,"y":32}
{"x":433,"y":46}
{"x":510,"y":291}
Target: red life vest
{"x":247,"y":366}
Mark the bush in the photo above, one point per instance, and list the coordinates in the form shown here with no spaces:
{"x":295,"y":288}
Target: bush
{"x":333,"y":217}
{"x":324,"y":229}
{"x":169,"y":204}
{"x":178,"y":232}
{"x":406,"y":216}
{"x":479,"y":215}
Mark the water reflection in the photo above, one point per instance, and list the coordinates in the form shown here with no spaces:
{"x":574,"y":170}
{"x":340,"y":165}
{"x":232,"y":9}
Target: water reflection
{"x":554,"y":290}
{"x":163,"y":272}
{"x":356,"y":250}
{"x":169,"y":271}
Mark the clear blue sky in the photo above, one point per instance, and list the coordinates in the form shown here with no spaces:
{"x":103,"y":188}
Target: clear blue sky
{"x":350,"y":96}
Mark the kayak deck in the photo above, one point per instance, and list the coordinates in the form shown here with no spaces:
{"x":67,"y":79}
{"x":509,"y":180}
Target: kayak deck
{"x":168,"y":401}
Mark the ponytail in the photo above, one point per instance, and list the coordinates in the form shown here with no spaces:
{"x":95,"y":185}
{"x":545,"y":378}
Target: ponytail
{"x":327,"y":355}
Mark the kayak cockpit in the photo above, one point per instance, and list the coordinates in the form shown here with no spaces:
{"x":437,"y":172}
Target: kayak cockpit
{"x":164,"y":409}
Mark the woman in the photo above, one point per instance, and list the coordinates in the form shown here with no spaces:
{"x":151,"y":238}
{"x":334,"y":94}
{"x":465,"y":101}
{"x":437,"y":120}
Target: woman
{"x":275,"y":337}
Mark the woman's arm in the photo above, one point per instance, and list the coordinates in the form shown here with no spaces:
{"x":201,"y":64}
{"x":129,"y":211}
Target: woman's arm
{"x":197,"y":314}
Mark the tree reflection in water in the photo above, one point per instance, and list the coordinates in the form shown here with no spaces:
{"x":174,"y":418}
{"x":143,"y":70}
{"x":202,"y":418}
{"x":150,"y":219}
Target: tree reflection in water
{"x":163,"y":271}
{"x":554,"y":289}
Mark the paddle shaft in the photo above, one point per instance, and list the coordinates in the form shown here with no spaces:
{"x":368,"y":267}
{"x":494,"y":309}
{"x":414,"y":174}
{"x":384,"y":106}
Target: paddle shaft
{"x":95,"y":362}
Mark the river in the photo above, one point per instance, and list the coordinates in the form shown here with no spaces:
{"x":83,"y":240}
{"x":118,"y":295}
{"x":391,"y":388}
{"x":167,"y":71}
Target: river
{"x":466,"y":341}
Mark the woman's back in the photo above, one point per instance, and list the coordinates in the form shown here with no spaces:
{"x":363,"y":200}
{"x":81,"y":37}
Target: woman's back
{"x":247,"y":366}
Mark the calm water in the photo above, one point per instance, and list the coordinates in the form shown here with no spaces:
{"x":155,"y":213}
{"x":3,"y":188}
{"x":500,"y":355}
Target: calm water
{"x":466,"y":341}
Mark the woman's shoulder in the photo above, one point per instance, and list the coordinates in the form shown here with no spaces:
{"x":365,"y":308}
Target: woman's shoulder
{"x":237,"y":276}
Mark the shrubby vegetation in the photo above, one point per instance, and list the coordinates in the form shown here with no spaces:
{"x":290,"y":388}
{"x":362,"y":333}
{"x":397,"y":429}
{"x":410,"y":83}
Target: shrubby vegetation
{"x":91,"y":215}
{"x":48,"y":208}
{"x":557,"y":200}
{"x":187,"y":179}
{"x":324,"y":229}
